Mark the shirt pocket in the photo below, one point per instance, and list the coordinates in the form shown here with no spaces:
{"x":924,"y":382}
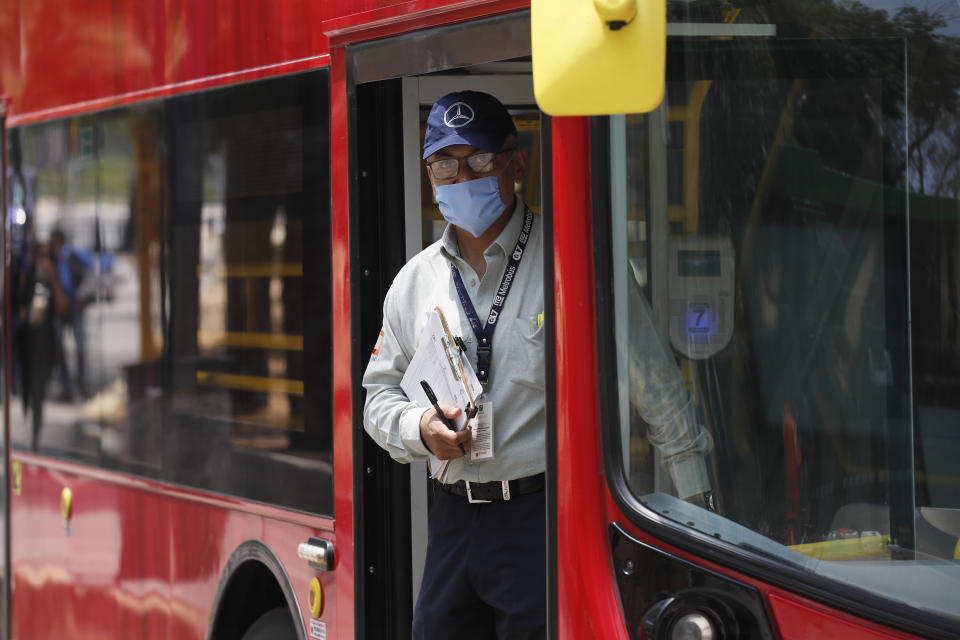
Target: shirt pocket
{"x":529,"y":369}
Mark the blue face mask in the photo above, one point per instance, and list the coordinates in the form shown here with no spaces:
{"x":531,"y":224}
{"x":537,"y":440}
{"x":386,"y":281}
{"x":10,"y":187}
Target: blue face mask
{"x":473,"y":205}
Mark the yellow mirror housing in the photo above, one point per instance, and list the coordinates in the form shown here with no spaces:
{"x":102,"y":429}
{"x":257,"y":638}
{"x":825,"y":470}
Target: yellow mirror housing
{"x":598,"y":57}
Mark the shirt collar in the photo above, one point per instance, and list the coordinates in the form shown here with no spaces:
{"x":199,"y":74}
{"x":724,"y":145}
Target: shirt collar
{"x":506,"y":240}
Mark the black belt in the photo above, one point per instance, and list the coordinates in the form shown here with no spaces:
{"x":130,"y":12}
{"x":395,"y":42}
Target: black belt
{"x":496,"y":490}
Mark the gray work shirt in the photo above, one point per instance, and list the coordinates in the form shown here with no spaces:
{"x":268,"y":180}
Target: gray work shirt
{"x":516,"y":382}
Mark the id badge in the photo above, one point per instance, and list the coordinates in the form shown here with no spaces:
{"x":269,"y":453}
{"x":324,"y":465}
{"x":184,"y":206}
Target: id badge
{"x":481,"y":441}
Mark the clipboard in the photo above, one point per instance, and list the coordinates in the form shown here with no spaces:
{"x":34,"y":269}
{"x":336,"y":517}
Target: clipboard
{"x":439,"y":360}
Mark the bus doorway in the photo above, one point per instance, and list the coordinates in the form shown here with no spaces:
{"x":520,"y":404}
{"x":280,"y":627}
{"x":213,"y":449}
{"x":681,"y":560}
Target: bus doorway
{"x":393,"y":217}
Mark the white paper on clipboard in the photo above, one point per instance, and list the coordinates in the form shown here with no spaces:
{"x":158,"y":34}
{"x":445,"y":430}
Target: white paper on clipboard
{"x":436,"y":361}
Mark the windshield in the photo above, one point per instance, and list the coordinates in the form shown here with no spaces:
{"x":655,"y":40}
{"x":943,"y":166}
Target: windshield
{"x":785,"y":273}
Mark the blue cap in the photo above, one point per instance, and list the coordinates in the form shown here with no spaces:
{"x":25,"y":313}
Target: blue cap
{"x":467,"y":117}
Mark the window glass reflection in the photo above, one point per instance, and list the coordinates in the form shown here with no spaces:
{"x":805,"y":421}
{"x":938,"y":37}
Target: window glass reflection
{"x":86,"y":267}
{"x":130,"y":219}
{"x":169,"y":284}
{"x":54,"y":273}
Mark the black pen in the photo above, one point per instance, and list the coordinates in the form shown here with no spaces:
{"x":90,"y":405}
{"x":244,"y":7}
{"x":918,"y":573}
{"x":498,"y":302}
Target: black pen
{"x":432,"y":397}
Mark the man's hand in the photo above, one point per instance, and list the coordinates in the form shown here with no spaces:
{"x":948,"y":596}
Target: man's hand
{"x":442,"y":442}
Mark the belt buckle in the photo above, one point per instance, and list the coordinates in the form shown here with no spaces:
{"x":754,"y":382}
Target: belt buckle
{"x":470,"y":495}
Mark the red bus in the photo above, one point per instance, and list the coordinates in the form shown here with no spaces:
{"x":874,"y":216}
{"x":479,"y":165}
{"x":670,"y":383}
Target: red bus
{"x":206,"y":203}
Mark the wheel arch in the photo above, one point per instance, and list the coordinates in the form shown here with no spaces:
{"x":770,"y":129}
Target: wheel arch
{"x":252,"y":582}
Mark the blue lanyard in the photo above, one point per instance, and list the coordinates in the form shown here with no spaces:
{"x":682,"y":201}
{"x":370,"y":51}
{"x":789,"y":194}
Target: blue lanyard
{"x":484,"y":333}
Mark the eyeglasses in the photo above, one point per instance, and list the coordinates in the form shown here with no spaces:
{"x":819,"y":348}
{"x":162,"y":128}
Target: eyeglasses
{"x":480,"y":163}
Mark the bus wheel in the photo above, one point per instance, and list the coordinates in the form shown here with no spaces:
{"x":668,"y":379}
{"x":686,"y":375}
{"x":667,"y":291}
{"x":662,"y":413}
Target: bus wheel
{"x":275,"y":624}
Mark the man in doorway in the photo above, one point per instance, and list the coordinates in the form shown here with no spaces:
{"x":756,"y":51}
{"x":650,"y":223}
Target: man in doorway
{"x":486,"y":558}
{"x":485,"y":567}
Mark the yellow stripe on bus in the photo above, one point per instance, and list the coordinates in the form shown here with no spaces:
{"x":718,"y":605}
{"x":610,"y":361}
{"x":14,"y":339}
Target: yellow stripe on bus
{"x":254,"y":270}
{"x":289,"y":342}
{"x":862,"y":548}
{"x":249,"y":383}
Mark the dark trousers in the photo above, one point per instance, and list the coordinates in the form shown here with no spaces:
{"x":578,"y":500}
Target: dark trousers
{"x":485,"y":574}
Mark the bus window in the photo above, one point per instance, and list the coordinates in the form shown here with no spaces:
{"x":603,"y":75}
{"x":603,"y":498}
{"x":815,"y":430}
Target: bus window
{"x":249,"y":408}
{"x":782,"y":255}
{"x":87,"y":275}
{"x":55,"y":340}
{"x":122,"y":399}
{"x":170,"y":291}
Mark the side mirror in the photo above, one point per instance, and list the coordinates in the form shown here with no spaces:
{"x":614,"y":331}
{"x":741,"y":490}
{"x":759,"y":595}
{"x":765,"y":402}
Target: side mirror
{"x":598,"y":57}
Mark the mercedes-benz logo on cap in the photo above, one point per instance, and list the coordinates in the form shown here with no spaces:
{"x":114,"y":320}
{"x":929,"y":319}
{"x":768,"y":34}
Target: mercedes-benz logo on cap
{"x":457,"y":115}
